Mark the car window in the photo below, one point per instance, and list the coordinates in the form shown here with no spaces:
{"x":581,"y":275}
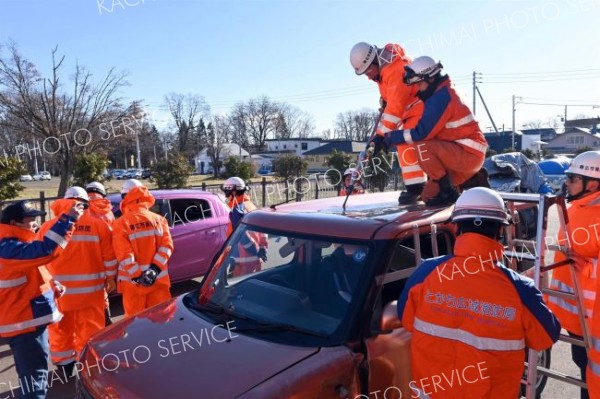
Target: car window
{"x":189,"y":210}
{"x":306,"y":282}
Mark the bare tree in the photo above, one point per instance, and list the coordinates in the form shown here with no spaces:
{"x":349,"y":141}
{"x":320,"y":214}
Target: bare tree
{"x":292,"y":122}
{"x":38,"y":107}
{"x":187,"y":111}
{"x":259,"y":118}
{"x":237,"y":118}
{"x":355,"y":125}
{"x":537,"y":124}
{"x":218,"y":133}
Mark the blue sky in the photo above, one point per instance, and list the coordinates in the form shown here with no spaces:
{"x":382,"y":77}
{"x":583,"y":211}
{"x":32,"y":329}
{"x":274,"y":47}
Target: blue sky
{"x":297,"y":51}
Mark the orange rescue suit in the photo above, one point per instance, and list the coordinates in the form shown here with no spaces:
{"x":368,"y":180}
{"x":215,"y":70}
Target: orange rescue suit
{"x":141,"y":238}
{"x":472,"y":319}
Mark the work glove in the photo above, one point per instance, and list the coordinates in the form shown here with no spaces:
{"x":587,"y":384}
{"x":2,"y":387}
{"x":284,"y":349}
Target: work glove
{"x":382,"y":104}
{"x":59,"y":289}
{"x":148,"y":277}
{"x":377,"y":144}
{"x":110,"y":285}
{"x":262,"y":254}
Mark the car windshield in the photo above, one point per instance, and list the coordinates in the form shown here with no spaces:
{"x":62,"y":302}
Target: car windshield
{"x":282,"y":283}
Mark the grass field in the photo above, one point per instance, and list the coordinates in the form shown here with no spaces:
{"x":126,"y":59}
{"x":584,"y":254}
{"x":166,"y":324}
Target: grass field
{"x":50,"y":188}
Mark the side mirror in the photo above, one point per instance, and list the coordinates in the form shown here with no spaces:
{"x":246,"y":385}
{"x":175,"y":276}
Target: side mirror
{"x":389,"y":317}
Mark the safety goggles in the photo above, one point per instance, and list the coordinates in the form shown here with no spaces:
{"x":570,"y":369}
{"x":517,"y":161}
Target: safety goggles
{"x":571,"y":178}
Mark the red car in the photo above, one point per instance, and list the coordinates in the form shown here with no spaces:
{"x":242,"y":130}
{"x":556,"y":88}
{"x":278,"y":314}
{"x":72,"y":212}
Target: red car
{"x":311,"y":322}
{"x":198,"y":221}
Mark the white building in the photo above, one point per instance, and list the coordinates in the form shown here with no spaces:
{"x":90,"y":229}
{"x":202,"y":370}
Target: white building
{"x":204,"y":162}
{"x":297,"y":146}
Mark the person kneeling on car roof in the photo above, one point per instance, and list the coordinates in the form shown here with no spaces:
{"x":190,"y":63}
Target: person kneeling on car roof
{"x":347,"y":185}
{"x":252,"y":248}
{"x":451,"y":145}
{"x":467,"y":310}
{"x":143,"y":246}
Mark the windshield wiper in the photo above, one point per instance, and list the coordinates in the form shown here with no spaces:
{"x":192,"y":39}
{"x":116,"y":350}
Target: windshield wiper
{"x":214,"y":308}
{"x":275,"y":327}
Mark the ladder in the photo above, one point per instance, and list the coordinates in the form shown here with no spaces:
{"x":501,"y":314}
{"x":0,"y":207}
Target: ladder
{"x":537,"y":253}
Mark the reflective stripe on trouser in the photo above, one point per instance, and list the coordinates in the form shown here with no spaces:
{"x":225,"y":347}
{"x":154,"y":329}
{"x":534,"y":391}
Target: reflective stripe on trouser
{"x":439,"y":158}
{"x":135,"y":300}
{"x":408,"y":157}
{"x":68,"y":336}
{"x":246,"y":265}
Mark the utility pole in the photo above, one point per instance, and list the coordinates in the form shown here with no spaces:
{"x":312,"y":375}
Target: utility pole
{"x":565,"y":119}
{"x":514,"y":103}
{"x":476,"y":75}
{"x":137,"y":139}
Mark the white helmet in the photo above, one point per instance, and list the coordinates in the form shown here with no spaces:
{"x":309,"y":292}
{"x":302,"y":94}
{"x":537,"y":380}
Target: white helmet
{"x":129,"y":185}
{"x":76,"y":192}
{"x":349,"y":171}
{"x":234,"y":183}
{"x":362,"y":56}
{"x":480,"y":203}
{"x":586,"y":164}
{"x":96,"y":187}
{"x":421,"y":68}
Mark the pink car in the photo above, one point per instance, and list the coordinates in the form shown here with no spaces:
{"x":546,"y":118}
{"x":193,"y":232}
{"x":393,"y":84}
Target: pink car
{"x":198,"y":221}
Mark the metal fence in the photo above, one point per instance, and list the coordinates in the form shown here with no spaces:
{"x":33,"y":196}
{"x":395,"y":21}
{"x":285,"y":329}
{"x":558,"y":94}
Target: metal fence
{"x":264,"y":193}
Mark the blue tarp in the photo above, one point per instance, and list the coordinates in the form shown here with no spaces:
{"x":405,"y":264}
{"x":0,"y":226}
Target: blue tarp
{"x":555,"y":166}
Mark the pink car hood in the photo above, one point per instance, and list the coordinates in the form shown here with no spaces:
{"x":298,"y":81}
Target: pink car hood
{"x":169,"y":352}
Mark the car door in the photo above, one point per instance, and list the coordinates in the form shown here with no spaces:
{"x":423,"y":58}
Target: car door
{"x":198,"y":232}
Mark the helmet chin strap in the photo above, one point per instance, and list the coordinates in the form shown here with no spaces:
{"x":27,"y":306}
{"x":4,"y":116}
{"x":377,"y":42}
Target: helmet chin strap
{"x":582,"y":193}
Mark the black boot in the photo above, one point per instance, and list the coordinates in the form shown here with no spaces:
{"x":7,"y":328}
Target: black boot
{"x":479,"y":179}
{"x":66,"y":370}
{"x":447,"y":195}
{"x":411,"y":195}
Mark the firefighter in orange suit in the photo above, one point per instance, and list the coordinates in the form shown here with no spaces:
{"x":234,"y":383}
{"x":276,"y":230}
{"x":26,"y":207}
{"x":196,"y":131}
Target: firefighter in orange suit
{"x":143,"y":246}
{"x":27,"y":291}
{"x":450,"y":143}
{"x":385,"y":66}
{"x":84,"y":269}
{"x":252,"y":248}
{"x":583,"y":193}
{"x":357,"y":188}
{"x":470,"y":316}
{"x":101,"y":208}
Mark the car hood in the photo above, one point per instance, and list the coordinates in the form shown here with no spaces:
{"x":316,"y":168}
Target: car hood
{"x":168,"y":351}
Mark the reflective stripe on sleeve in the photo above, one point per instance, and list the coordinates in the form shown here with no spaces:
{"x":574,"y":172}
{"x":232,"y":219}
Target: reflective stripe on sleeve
{"x":57,"y":238}
{"x":390,"y":118}
{"x":84,"y":290}
{"x":460,"y":122}
{"x":407,"y":137}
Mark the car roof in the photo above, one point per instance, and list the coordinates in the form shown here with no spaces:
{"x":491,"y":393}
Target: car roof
{"x":172,"y":193}
{"x":367,"y":216}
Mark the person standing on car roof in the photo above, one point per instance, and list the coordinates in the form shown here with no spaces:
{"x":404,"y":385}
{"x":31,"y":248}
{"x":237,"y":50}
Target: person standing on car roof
{"x":101,"y":208}
{"x":470,"y":314}
{"x":253,"y":247}
{"x":451,"y":144}
{"x":583,"y":194}
{"x":357,"y":188}
{"x":400,"y":108}
{"x":143,"y":246}
{"x":84,"y":269}
{"x":27,"y":291}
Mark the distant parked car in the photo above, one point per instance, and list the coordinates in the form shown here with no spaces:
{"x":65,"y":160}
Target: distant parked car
{"x":25,"y":178}
{"x":146,"y":174}
{"x":42,"y":176}
{"x":132,"y":173}
{"x":198,"y":221}
{"x":117,"y":174}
